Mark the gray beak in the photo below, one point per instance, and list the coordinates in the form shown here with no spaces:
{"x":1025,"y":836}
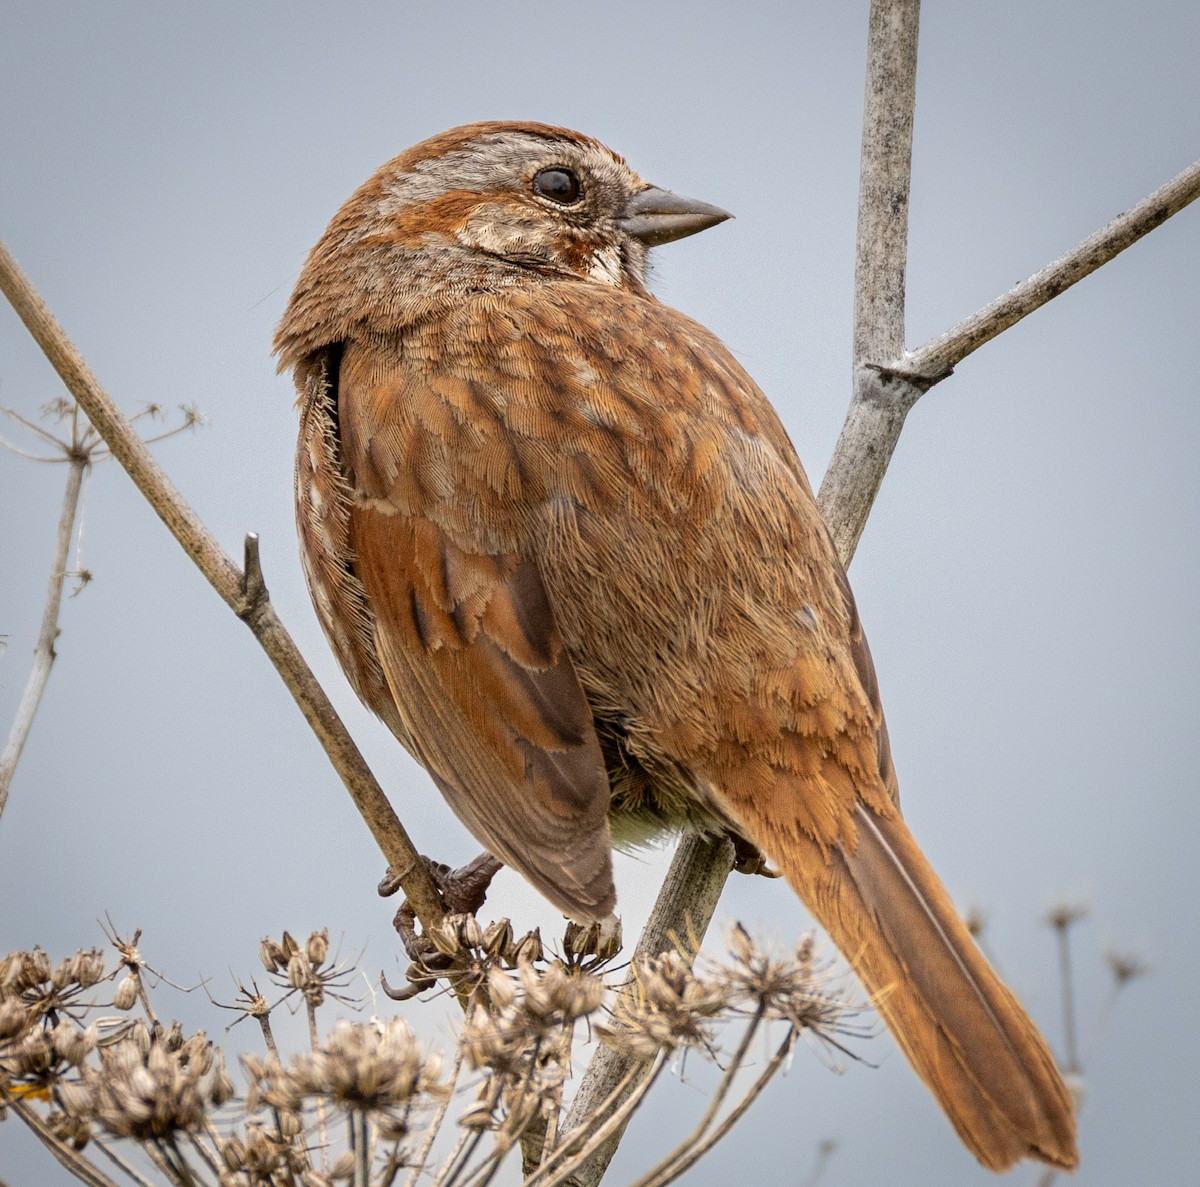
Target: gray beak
{"x":658,"y":216}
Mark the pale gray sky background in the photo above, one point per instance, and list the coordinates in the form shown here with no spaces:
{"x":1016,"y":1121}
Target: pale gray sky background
{"x":1028,"y":579}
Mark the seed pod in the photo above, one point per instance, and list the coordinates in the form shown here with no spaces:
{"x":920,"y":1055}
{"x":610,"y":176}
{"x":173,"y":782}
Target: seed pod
{"x":497,"y":939}
{"x":14,"y":1018}
{"x":127,"y":993}
{"x":233,"y":1153}
{"x":271,"y":955}
{"x":501,"y":988}
{"x":299,"y":971}
{"x":317,"y":947}
{"x":528,"y":949}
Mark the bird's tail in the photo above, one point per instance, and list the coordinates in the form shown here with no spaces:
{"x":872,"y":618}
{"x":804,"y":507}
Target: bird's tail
{"x":963,"y":1031}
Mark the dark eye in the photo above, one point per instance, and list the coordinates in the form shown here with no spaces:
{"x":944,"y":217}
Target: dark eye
{"x":559,"y":185}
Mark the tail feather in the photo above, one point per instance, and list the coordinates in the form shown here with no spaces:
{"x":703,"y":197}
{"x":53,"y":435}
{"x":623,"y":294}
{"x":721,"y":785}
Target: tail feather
{"x":963,"y":1031}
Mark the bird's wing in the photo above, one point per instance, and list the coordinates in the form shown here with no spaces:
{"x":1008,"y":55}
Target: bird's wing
{"x":466,"y":638}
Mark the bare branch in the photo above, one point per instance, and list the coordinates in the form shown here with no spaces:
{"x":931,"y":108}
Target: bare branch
{"x":228,"y":581}
{"x":680,"y":917}
{"x":880,"y":399}
{"x":882,"y":244}
{"x":936,"y":358}
{"x":44,"y":654}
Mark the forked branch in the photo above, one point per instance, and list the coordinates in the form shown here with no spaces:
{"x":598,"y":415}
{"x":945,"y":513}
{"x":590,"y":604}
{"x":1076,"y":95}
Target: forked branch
{"x":887,"y":381}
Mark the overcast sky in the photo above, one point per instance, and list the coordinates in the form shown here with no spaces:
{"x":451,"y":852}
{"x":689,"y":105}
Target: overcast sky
{"x":1028,"y":579}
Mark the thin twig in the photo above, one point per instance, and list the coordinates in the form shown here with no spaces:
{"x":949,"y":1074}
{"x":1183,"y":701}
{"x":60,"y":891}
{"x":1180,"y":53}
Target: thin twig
{"x":940,"y":354}
{"x":29,"y":457}
{"x":667,"y":1174}
{"x":225,"y":577}
{"x":205,"y":1153}
{"x":824,"y":1152}
{"x":125,"y":1167}
{"x":1068,"y":994}
{"x":44,"y":653}
{"x":35,"y":428}
{"x":72,"y":1160}
{"x":714,"y":1105}
{"x":435,"y":1123}
{"x":464,"y":1150}
{"x":630,"y":1093}
{"x":314,"y":1042}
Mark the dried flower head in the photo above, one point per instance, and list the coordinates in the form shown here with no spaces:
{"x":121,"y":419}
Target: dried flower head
{"x":306,"y":969}
{"x":795,"y":989}
{"x":370,"y":1067}
{"x":151,"y":1085}
{"x":668,"y":1007}
{"x":1125,"y":966}
{"x":1064,"y":914}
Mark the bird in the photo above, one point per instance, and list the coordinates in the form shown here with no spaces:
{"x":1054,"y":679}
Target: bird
{"x":564,"y":548}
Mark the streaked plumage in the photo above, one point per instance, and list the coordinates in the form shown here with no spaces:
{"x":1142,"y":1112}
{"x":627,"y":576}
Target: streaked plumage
{"x":563,"y":546}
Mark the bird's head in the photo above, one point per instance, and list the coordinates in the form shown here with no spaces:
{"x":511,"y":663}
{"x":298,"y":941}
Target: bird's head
{"x":479,"y":208}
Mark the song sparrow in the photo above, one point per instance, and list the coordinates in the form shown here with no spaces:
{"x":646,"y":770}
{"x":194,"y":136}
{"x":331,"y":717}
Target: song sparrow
{"x":562,"y":545}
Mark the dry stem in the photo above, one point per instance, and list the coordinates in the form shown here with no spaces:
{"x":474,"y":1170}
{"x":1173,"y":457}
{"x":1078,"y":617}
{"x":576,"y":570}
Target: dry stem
{"x":44,"y":653}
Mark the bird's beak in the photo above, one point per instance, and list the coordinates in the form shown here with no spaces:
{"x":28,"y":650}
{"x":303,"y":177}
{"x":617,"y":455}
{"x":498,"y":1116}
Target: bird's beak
{"x":657,"y":216}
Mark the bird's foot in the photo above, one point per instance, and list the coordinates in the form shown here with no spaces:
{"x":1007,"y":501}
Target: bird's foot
{"x":463,"y":891}
{"x":748,"y":858}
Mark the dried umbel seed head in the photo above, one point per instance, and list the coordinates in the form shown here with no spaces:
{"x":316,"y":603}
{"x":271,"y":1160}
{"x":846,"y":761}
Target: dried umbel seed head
{"x":501,"y":989}
{"x":470,"y":934}
{"x":670,"y":1007}
{"x":582,"y":995}
{"x":1063,"y":915}
{"x":146,"y":1089}
{"x":1125,"y":966}
{"x":172,"y":1037}
{"x":261,"y":1157}
{"x":73,"y":1131}
{"x":558,"y":993}
{"x":73,"y":1044}
{"x":976,"y":921}
{"x":31,"y":1058}
{"x":373,"y":1067}
{"x":601,"y":940}
{"x":498,"y":939}
{"x":528,"y":949}
{"x":800,"y":989}
{"x":299,"y":971}
{"x":85,"y":968}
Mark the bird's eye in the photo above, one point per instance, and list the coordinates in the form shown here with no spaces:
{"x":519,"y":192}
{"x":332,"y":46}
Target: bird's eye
{"x":559,"y":185}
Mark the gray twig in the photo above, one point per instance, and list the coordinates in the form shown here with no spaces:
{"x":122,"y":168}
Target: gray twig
{"x":44,"y":653}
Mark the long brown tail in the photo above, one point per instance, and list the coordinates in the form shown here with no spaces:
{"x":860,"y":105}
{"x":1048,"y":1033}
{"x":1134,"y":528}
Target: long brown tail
{"x":963,"y":1031}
